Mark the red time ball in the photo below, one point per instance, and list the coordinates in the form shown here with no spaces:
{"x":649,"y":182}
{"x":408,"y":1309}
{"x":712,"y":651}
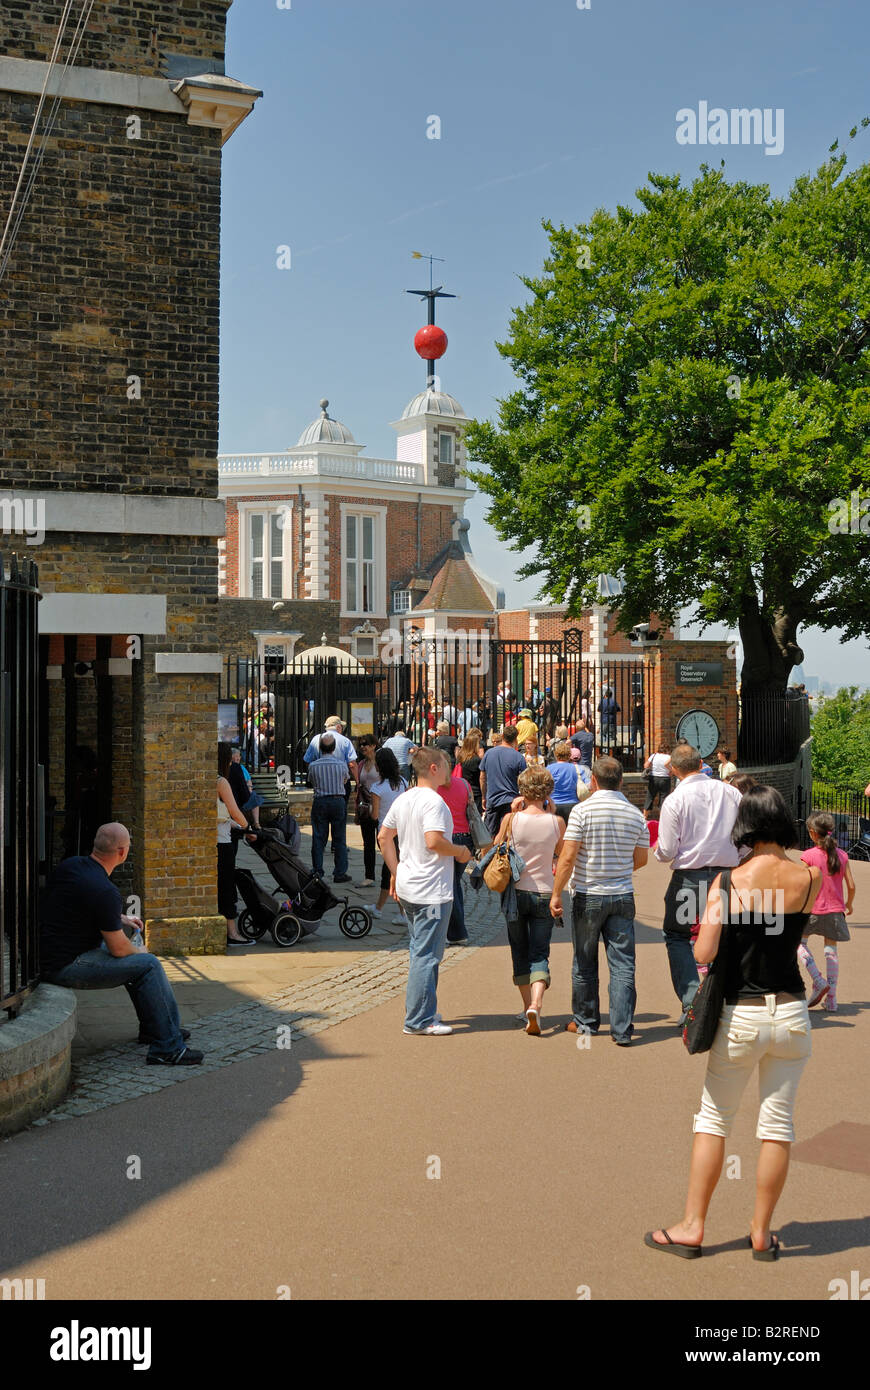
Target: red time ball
{"x":431,"y":342}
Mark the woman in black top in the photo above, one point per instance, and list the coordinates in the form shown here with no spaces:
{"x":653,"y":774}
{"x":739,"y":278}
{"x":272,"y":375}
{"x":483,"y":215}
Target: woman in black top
{"x":469,"y":758}
{"x":762,"y":907}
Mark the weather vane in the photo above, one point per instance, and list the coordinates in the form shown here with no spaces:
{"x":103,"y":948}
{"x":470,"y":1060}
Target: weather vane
{"x":431,"y":341}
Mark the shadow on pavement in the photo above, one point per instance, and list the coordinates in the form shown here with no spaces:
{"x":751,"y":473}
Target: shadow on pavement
{"x":68,"y":1182}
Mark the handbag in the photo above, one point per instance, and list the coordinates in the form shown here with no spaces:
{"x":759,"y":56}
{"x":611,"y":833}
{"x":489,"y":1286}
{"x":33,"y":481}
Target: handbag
{"x":705,"y":1010}
{"x":477,"y":825}
{"x":497,"y":874}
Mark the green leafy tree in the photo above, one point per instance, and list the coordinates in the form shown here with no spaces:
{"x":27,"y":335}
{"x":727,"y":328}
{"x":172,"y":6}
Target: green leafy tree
{"x":693,"y":400}
{"x":841,"y":739}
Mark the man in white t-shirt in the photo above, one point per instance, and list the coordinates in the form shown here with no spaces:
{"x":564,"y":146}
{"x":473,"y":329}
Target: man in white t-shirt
{"x":422,"y":880}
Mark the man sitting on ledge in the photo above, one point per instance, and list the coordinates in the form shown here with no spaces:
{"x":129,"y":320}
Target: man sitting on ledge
{"x":83,"y":945}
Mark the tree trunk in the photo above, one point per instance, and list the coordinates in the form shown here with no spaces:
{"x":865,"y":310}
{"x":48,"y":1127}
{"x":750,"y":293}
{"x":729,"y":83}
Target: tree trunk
{"x":770,"y":652}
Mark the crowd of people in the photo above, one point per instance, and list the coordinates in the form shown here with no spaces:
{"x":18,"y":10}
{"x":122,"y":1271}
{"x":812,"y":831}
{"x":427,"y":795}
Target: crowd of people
{"x":540,"y":813}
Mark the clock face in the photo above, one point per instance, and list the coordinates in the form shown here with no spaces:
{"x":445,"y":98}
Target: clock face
{"x":701,"y":729}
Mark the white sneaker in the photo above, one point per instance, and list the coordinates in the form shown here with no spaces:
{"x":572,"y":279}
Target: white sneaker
{"x":400,"y":919}
{"x":376,"y":913}
{"x":434,"y":1029}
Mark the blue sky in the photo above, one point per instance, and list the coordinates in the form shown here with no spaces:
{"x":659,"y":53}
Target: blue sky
{"x":546,"y":111}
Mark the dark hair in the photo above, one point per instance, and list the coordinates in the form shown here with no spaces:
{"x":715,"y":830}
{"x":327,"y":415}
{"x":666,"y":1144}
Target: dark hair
{"x":388,"y":766}
{"x":225,"y":758}
{"x":607,"y":773}
{"x":367,"y":741}
{"x":743,"y":781}
{"x":509,"y":733}
{"x":823,"y":826}
{"x":326,"y":744}
{"x":764,"y":815}
{"x":726,"y":752}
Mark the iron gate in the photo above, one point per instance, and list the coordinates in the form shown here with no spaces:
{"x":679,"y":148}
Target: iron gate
{"x":19,"y":793}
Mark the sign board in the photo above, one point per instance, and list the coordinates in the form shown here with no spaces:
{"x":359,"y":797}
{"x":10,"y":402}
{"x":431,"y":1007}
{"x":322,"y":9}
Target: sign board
{"x":699,"y":672}
{"x":228,"y":721}
{"x":362,"y":719}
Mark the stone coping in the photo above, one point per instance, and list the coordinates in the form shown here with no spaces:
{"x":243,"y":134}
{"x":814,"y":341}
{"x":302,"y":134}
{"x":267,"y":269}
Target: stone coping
{"x":45,"y":1026}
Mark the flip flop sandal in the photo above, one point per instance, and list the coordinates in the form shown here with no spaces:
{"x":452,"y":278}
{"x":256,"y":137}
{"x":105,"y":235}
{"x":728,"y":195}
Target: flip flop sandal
{"x":771,"y":1253}
{"x":673,"y":1247}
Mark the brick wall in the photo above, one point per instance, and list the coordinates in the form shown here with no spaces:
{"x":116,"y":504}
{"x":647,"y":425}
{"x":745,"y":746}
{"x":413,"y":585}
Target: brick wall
{"x":115,"y":273}
{"x":436,"y":531}
{"x":239,"y":618}
{"x":128,"y":38}
{"x":670,"y":700}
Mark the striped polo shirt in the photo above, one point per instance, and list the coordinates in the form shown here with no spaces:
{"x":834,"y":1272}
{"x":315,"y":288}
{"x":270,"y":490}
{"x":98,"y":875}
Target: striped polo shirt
{"x":609,"y":830}
{"x":328,"y":775}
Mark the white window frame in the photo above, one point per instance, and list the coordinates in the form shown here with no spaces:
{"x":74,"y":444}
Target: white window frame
{"x":379,"y":551}
{"x":267,"y":510}
{"x":451,"y":462}
{"x":402,"y":607}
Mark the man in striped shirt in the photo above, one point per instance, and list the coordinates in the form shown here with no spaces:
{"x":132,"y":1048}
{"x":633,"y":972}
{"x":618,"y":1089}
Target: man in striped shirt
{"x":328,"y":774}
{"x":606,"y":840}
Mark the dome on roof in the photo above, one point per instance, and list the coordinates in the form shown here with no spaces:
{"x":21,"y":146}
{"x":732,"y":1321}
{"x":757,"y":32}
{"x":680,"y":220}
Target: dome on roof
{"x":431,"y":402}
{"x":313,"y":656}
{"x":325,"y":430}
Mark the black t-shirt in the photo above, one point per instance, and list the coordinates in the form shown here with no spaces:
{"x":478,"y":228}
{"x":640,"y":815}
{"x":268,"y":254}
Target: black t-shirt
{"x":471,"y":772}
{"x":449,"y":744}
{"x":80,"y":902}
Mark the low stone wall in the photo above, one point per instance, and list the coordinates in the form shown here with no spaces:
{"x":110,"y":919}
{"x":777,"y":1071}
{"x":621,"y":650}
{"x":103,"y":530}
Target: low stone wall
{"x":186,"y":936}
{"x":35,"y":1057}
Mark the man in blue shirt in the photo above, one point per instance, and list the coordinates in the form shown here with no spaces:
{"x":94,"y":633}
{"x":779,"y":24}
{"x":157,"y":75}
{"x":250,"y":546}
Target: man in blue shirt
{"x":328,"y":776}
{"x":499,"y":774}
{"x":584,"y":739}
{"x":401,"y":746}
{"x":342,"y":745}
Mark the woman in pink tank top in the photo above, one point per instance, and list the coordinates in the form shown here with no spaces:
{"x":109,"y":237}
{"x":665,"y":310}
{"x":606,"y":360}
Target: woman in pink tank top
{"x":537,"y":837}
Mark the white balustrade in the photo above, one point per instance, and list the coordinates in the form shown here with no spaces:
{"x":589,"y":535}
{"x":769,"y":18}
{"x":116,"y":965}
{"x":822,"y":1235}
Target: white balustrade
{"x":324,"y":465}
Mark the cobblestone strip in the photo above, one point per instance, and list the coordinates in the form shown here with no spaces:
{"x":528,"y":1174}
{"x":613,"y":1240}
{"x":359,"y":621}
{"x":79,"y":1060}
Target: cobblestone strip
{"x":120,"y":1073}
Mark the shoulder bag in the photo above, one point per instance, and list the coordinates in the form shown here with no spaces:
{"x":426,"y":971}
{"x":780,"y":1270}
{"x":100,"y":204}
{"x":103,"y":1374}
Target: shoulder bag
{"x":476,"y":824}
{"x":497,"y":874}
{"x":705,"y":1010}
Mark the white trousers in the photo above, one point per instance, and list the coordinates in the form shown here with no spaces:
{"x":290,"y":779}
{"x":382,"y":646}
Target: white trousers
{"x":775,"y":1038}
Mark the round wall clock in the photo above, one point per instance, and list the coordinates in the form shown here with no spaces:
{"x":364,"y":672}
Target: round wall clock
{"x":701,"y":729}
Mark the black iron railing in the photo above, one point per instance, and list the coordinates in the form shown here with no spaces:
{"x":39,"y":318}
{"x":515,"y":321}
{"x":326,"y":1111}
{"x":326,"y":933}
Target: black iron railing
{"x":850,"y":811}
{"x":773,"y":727}
{"x":472,"y":680}
{"x":19,"y":810}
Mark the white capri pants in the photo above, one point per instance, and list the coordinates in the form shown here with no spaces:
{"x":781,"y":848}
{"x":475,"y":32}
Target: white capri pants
{"x":775,"y":1038}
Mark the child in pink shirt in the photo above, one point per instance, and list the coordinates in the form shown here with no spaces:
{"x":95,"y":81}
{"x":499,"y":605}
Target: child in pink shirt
{"x":828,"y":918}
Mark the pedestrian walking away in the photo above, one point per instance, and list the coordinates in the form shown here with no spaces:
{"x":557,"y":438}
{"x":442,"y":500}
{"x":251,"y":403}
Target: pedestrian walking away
{"x":499,"y":773}
{"x":695,"y":824}
{"x":468,"y":763}
{"x":658,"y":766}
{"x":606,"y":839}
{"x":422,"y":881}
{"x":328,"y":774}
{"x":457,"y":795}
{"x":765,"y":1022}
{"x":830,"y":911}
{"x":569,"y":789}
{"x":536,"y":835}
{"x":83,"y":945}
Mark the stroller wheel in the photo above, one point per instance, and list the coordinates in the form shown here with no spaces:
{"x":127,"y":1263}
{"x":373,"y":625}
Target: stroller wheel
{"x":286,"y":929}
{"x":249,"y":928}
{"x":355,"y":921}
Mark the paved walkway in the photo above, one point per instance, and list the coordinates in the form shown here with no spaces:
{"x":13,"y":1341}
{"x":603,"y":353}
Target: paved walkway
{"x":360,"y":1163}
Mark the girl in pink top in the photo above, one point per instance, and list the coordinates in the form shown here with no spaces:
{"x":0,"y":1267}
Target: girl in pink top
{"x":828,"y":918}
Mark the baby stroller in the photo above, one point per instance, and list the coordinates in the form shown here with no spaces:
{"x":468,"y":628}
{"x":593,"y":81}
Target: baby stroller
{"x":309,"y":897}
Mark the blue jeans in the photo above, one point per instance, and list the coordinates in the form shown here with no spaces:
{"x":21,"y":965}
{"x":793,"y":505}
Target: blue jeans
{"x":457,"y":930}
{"x":529,"y":937}
{"x":685,"y":900}
{"x":144,"y":979}
{"x":427,"y":924}
{"x":329,"y":813}
{"x":609,"y":917}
